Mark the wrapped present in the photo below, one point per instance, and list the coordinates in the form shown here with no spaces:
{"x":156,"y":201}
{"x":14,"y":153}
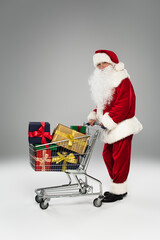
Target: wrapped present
{"x":42,"y":160}
{"x":81,"y":129}
{"x":63,"y":161}
{"x":39,"y":133}
{"x":75,"y":141}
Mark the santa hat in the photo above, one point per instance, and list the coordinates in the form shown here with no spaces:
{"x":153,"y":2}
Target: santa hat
{"x":109,"y":57}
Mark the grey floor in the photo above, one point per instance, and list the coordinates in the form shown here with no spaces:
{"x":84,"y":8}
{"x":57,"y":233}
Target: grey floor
{"x":136,"y":217}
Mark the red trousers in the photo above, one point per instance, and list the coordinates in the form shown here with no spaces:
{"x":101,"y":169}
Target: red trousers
{"x":117,"y":159}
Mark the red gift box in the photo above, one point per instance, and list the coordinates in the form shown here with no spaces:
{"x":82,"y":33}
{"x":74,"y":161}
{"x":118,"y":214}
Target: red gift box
{"x":43,"y":160}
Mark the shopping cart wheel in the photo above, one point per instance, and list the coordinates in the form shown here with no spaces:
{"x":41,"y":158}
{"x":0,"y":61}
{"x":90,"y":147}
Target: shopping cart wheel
{"x":38,"y":199}
{"x":97,"y":202}
{"x":44,"y":205}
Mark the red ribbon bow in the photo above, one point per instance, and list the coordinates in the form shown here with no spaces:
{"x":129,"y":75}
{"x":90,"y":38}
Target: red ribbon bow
{"x":41,"y":133}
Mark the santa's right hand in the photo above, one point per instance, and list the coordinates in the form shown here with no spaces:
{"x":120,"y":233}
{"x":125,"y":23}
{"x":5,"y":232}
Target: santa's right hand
{"x":92,"y":122}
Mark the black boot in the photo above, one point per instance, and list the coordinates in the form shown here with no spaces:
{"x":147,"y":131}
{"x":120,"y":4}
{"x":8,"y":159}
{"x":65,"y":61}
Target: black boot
{"x":106,"y":194}
{"x":109,"y":193}
{"x":111,"y":197}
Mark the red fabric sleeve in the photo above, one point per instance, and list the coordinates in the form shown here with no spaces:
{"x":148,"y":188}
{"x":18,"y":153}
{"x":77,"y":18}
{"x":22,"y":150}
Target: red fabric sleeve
{"x":124,"y":98}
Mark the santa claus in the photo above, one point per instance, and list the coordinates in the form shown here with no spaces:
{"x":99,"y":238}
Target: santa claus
{"x":114,"y":97}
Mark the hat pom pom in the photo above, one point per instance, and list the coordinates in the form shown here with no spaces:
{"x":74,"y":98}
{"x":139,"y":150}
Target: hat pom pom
{"x":119,"y":66}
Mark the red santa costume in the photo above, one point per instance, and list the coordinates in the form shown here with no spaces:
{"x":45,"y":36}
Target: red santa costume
{"x":114,"y":97}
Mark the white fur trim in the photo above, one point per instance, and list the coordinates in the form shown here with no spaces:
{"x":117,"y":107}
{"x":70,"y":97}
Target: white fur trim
{"x":101,"y":57}
{"x":118,"y":188}
{"x":108,"y":122}
{"x":123,"y":129}
{"x":119,"y":66}
{"x":99,"y":114}
{"x":119,"y":76}
{"x":92,"y":115}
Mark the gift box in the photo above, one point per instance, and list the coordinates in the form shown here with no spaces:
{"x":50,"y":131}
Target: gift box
{"x":39,"y":133}
{"x":62,"y":132}
{"x":81,"y":129}
{"x":42,"y":160}
{"x":62,"y":161}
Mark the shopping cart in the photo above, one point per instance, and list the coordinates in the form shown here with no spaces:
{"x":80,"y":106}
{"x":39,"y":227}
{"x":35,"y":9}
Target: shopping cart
{"x":74,"y":166}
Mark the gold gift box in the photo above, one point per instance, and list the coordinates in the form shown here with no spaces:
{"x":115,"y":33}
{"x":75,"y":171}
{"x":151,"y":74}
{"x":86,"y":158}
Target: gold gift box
{"x":76,"y":141}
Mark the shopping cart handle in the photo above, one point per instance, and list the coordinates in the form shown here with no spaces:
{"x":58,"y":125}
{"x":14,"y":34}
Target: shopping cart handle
{"x":96,"y":124}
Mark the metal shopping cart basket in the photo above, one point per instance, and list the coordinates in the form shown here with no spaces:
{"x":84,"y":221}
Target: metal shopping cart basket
{"x":74,"y":165}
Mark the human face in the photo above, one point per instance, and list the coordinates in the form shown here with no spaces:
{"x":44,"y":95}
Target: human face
{"x":103,"y":65}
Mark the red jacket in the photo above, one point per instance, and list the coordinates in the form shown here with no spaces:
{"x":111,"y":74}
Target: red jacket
{"x":118,"y":116}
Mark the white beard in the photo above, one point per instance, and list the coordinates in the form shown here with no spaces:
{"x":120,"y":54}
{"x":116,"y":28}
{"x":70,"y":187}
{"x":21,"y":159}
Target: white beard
{"x":102,"y":86}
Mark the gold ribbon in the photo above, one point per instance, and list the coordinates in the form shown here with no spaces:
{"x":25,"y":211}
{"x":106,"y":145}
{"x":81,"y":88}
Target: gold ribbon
{"x":66,"y":158}
{"x":71,"y":139}
{"x":43,"y":160}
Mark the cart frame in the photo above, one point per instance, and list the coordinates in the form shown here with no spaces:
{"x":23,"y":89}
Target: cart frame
{"x":80,"y":187}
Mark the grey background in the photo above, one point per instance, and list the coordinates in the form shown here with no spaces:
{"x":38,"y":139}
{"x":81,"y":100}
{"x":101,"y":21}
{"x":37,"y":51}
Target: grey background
{"x":46,"y":50}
